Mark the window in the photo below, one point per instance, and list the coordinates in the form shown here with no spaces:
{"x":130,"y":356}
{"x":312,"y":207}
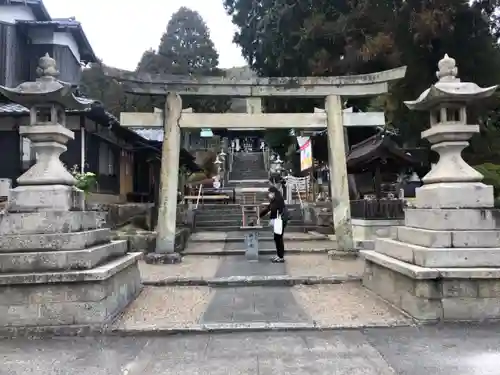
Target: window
{"x":106,"y":159}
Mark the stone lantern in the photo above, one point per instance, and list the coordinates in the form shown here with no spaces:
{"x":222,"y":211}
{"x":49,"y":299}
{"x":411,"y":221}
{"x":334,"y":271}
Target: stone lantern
{"x":61,"y":260}
{"x":451,"y":183}
{"x":47,"y":185}
{"x":444,"y":263}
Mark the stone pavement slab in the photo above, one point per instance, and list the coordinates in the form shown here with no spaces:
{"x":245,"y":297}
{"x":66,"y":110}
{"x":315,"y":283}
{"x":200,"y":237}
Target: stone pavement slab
{"x":457,"y":350}
{"x":254,"y":305}
{"x":239,"y":266}
{"x":451,"y":349}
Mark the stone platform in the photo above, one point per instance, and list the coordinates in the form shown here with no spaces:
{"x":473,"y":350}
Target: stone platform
{"x":443,"y":265}
{"x":434,"y":294}
{"x":62,"y":269}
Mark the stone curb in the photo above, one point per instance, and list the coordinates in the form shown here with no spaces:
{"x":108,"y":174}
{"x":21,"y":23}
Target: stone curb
{"x":261,"y":251}
{"x":212,"y":328}
{"x":242,"y":281}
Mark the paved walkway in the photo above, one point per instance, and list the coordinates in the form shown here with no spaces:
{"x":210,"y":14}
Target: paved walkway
{"x":339,"y":305}
{"x":401,"y":351}
{"x":176,"y":307}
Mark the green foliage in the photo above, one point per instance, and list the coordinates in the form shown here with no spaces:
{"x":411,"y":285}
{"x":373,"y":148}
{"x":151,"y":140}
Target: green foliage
{"x":340,"y":37}
{"x":84,"y":181}
{"x":491,"y":173}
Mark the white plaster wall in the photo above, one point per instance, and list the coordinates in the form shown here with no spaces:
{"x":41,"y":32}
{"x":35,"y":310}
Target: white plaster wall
{"x":13,"y":13}
{"x":66,"y":39}
{"x":47,"y":36}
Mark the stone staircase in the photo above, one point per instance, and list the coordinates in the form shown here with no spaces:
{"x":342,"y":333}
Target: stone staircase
{"x":249,"y":166}
{"x":228,"y":218}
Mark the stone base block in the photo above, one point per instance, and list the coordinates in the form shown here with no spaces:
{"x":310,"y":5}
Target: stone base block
{"x":163,"y":258}
{"x":54,"y":241}
{"x":448,"y":239}
{"x":454,"y":195}
{"x":91,"y":297}
{"x":51,"y":222}
{"x":46,"y":198}
{"x":61,"y":260}
{"x":453,"y":219}
{"x":438,"y":257}
{"x":366,"y":231}
{"x":434,"y":294}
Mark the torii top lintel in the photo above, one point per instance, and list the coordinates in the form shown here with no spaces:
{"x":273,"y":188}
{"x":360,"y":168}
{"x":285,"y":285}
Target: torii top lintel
{"x":347,"y":86}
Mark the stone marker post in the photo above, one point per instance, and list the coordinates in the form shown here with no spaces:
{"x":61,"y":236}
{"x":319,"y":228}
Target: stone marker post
{"x":338,"y":174}
{"x":167,"y":207}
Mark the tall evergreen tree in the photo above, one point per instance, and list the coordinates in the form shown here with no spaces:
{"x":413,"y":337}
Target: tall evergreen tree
{"x":186,"y":49}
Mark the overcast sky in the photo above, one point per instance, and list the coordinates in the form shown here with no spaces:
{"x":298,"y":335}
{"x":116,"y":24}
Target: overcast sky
{"x":121,"y":30}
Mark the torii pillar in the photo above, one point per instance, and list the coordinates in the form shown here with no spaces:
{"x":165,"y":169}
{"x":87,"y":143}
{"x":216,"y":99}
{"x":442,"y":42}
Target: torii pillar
{"x":169,"y":180}
{"x":339,"y":183}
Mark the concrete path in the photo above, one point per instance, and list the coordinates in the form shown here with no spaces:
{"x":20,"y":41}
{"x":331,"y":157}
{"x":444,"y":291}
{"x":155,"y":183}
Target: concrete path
{"x":401,"y":351}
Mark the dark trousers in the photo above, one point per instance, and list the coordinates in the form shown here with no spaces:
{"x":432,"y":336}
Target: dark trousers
{"x":280,"y":244}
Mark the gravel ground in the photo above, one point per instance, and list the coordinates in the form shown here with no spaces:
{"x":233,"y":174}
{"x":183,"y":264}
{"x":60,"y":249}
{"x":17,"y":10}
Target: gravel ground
{"x":191,"y":266}
{"x":321,"y":265}
{"x":346,"y":304}
{"x":166,"y":307}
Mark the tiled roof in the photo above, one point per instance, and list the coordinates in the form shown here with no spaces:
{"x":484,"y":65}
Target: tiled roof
{"x":62,"y":22}
{"x":18,"y":108}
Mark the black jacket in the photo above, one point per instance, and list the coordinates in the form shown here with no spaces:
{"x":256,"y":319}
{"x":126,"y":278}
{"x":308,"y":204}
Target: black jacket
{"x":274,"y":208}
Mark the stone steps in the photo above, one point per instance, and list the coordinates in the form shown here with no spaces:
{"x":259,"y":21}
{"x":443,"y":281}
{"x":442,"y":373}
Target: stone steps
{"x":238,"y":223}
{"x":235,"y":228}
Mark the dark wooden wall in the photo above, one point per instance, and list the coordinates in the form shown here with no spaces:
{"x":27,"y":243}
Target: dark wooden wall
{"x":10,"y":144}
{"x":69,"y":67}
{"x":14,"y":62}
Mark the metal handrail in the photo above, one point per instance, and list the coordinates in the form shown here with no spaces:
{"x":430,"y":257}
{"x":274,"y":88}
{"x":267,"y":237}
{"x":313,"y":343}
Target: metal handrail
{"x":200,"y":193}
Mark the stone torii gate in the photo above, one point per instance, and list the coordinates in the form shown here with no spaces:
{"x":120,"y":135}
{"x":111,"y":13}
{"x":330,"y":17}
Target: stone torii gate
{"x":332,"y":88}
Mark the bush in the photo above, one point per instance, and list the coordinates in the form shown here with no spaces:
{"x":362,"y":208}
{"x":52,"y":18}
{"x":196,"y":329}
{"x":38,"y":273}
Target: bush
{"x":491,"y":173}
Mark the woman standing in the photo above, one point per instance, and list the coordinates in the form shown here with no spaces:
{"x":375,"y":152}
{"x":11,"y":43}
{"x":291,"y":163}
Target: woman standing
{"x":277,"y":211}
